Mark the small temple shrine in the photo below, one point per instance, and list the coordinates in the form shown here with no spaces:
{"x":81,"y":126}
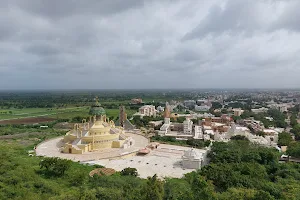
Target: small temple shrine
{"x":97,"y":133}
{"x":192,"y":159}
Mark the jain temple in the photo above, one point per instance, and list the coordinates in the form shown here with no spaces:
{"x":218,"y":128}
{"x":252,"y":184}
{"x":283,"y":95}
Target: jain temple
{"x":97,"y":133}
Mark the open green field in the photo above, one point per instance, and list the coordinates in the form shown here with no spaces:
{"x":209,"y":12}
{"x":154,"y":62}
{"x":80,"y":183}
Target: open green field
{"x":61,"y":113}
{"x":85,"y":113}
{"x":39,"y":112}
{"x":115,"y":112}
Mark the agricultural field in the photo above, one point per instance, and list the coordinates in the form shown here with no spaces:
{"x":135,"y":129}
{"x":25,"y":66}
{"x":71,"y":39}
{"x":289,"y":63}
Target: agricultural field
{"x":42,"y":115}
{"x":6,"y":114}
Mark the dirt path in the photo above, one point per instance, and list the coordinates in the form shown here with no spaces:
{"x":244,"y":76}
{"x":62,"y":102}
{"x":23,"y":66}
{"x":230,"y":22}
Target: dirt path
{"x":27,"y":120}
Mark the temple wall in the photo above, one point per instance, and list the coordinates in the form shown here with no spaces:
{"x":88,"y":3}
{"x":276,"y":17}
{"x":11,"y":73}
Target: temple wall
{"x":69,"y":138}
{"x":100,"y":138}
{"x":102,"y":145}
{"x":100,"y":131}
{"x":83,"y":147}
{"x":188,"y":164}
{"x":117,"y":144}
{"x":70,"y":149}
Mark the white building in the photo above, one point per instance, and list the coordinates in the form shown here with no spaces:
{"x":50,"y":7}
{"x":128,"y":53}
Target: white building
{"x":260,"y":110}
{"x":147,"y":110}
{"x":237,"y":111}
{"x":188,"y":127}
{"x":202,"y":108}
{"x":271,"y":134}
{"x":189,"y":103}
{"x":281,"y":107}
{"x":192,"y":159}
{"x":234,"y":130}
{"x":165,"y":128}
{"x":270,"y":138}
{"x":160,"y":109}
{"x":198,"y":132}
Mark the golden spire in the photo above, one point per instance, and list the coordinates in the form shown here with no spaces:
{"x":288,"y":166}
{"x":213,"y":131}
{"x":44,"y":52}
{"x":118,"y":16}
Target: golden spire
{"x":97,"y":104}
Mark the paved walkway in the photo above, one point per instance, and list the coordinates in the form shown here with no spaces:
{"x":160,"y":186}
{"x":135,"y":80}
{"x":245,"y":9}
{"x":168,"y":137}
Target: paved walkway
{"x":51,"y":148}
{"x":165,"y":161}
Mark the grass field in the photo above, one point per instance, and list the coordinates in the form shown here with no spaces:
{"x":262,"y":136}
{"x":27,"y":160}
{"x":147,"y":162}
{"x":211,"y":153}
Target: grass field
{"x":39,"y":112}
{"x":62,"y":113}
{"x":115,"y":112}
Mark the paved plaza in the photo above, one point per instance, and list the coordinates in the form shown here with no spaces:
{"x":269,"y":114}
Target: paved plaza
{"x":51,"y":148}
{"x":165,"y":161}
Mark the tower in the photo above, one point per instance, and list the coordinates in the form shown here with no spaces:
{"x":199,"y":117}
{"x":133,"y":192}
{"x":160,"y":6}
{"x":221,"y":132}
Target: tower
{"x":123,"y":121}
{"x":167,"y":112}
{"x":122,"y":116}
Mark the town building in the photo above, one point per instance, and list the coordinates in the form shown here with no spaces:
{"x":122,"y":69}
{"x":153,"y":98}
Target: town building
{"x":224,"y":119}
{"x":237,"y":111}
{"x":160,"y":109}
{"x":136,"y":101}
{"x":260,"y":110}
{"x":202,"y":108}
{"x":190,"y":104}
{"x":188,"y":127}
{"x":198,"y":132}
{"x":281,"y":107}
{"x":147,"y":110}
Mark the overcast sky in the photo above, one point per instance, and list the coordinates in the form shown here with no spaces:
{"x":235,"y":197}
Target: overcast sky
{"x":129,"y":44}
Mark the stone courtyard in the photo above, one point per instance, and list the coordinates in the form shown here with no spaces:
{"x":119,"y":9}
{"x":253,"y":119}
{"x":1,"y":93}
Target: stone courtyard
{"x":165,"y":161}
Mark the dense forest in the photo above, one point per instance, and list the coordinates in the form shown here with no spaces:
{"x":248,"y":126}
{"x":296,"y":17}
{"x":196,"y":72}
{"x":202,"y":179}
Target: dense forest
{"x":238,"y":170}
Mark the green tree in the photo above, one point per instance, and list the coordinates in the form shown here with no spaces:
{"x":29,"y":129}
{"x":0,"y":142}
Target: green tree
{"x":172,"y":191}
{"x":55,"y":166}
{"x":129,"y":172}
{"x":202,"y":189}
{"x":294,"y":149}
{"x":237,"y":194}
{"x":293,"y":120}
{"x":260,"y":133}
{"x":108,"y":193}
{"x":154,"y":189}
{"x":284,"y":139}
{"x":239,"y":137}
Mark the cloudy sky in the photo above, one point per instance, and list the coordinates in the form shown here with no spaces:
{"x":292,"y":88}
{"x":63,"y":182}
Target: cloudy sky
{"x":124,"y":44}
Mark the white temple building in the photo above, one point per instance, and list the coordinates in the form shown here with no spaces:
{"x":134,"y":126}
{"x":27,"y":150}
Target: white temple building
{"x":192,"y":159}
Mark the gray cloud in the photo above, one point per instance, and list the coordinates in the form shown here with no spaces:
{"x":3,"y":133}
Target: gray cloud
{"x":57,"y":9}
{"x":148,"y":44}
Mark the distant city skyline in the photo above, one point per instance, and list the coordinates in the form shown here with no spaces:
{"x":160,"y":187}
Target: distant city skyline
{"x":139,"y":44}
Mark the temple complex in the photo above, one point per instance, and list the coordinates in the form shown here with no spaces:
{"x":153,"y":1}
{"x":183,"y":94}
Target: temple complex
{"x":97,"y":133}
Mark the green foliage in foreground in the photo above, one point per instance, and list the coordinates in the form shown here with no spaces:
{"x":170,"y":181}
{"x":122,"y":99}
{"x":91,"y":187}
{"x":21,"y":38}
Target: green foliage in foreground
{"x":129,"y":172}
{"x":55,"y":166}
{"x":172,"y":140}
{"x":144,"y":122}
{"x":238,"y":170}
{"x":284,"y":139}
{"x":294,"y":149}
